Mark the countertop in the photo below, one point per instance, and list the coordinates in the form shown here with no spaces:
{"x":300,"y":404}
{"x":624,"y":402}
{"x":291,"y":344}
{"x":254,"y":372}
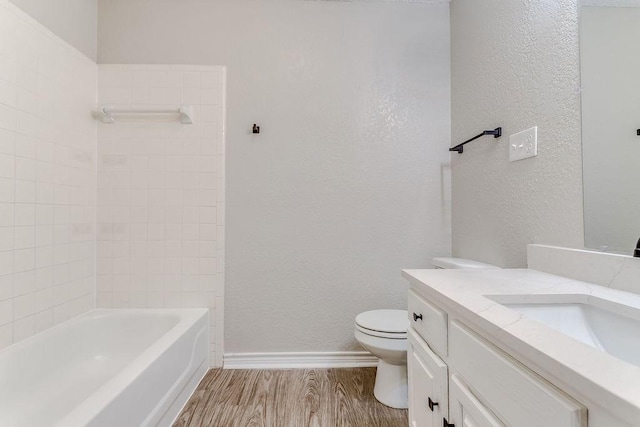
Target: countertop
{"x":578,"y":369}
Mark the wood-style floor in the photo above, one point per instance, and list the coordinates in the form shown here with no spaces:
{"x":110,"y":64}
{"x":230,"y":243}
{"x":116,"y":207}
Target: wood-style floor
{"x":288,"y":398}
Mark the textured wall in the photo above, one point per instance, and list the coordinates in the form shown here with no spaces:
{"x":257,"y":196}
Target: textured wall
{"x":346,"y":184}
{"x":47,"y":178}
{"x":515,"y":64}
{"x":75,"y":21}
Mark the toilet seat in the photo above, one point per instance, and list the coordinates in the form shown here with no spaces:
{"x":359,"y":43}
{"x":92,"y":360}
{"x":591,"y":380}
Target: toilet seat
{"x":391,"y":324}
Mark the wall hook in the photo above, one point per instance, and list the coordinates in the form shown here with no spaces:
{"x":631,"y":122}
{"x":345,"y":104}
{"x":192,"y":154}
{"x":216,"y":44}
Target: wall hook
{"x":256,"y":128}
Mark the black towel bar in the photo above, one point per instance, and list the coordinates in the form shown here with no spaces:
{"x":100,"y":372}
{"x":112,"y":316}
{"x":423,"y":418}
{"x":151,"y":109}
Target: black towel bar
{"x":497,"y":133}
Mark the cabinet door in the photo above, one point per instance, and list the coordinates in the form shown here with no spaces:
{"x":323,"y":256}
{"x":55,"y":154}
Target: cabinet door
{"x":518,"y":396}
{"x":466,"y":410}
{"x":428,"y":390}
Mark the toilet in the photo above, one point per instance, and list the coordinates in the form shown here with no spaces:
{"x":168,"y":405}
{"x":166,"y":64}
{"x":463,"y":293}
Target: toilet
{"x":384,"y":334}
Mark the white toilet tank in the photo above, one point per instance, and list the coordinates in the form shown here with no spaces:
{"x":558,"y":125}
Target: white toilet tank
{"x":453,"y":263}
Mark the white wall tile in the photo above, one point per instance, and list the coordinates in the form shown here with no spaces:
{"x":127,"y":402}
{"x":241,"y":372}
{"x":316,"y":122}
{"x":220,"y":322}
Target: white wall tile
{"x":159,"y":186}
{"x":6,"y":312}
{"x":45,"y":165}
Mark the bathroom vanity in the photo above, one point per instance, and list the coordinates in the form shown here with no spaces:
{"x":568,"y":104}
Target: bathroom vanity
{"x":521,"y":348}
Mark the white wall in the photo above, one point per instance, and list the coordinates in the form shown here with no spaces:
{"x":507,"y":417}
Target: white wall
{"x":160,"y":235}
{"x":348,"y":181}
{"x":610,"y":106}
{"x":515,"y":64}
{"x":47,"y":178}
{"x":75,"y":21}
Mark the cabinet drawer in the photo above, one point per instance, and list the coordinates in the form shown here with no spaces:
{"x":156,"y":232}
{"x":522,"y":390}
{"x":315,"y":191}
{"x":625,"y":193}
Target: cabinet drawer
{"x":428,"y":384}
{"x":518,"y":396}
{"x":430,"y":322}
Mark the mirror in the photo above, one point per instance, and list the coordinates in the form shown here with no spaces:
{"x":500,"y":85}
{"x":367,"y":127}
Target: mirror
{"x":610,"y":74}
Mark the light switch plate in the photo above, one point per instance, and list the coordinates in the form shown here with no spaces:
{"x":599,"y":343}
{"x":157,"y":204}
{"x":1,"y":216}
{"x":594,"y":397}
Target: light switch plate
{"x":523,"y":145}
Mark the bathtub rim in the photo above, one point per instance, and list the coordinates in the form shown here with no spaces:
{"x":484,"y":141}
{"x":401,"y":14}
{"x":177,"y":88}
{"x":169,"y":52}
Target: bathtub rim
{"x":90,"y":407}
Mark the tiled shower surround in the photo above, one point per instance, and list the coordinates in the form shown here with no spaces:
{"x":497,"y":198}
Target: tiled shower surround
{"x":47,"y":178}
{"x":149,"y":195}
{"x":160,"y":209}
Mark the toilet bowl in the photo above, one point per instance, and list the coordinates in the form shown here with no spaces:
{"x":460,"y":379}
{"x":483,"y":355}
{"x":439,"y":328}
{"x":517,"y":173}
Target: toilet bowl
{"x":384,"y":334}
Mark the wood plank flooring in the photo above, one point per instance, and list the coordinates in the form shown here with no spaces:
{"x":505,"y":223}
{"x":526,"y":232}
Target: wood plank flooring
{"x":288,"y":398}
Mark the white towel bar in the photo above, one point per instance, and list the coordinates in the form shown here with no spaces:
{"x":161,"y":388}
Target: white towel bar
{"x":184,"y":112}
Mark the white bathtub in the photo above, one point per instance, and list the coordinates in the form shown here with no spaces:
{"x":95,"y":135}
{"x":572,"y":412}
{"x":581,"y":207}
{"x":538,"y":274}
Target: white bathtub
{"x":105,"y":368}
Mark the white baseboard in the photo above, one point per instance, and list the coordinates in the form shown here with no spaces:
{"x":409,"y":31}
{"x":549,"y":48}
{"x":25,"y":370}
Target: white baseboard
{"x":338,"y":359}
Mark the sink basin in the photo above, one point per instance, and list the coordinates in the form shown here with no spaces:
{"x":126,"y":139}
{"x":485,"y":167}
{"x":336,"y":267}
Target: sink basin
{"x":594,"y":322}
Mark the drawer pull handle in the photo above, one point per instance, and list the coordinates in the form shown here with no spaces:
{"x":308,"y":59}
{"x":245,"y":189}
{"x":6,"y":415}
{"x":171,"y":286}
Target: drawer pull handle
{"x":416,"y":317}
{"x":432,"y":404}
{"x":446,"y":424}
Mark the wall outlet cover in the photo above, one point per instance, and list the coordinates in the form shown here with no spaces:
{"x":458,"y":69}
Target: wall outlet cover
{"x":523,"y":145}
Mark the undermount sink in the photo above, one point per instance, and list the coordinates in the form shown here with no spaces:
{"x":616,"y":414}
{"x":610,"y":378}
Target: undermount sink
{"x":594,"y":322}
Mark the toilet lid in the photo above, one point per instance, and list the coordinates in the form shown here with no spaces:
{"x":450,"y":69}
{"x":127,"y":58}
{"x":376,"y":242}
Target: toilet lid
{"x":389,"y":321}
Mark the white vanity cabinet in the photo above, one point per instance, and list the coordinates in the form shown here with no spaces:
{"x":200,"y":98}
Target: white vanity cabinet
{"x":473,"y":382}
{"x":428,"y":384}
